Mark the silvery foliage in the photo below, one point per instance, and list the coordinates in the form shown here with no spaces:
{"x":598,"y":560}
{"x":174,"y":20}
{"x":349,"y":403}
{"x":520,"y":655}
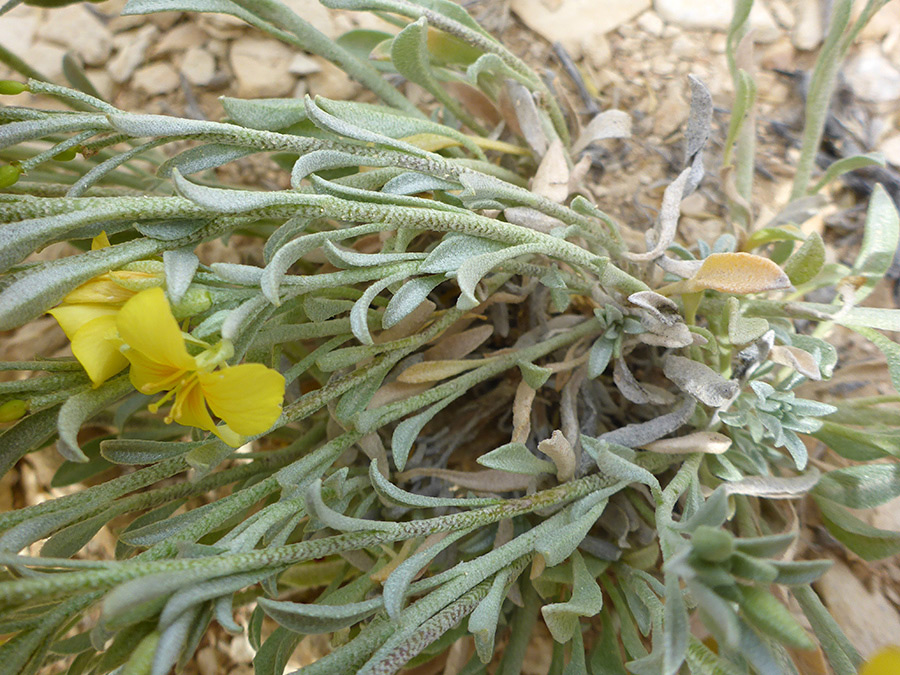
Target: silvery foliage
{"x":419,"y":308}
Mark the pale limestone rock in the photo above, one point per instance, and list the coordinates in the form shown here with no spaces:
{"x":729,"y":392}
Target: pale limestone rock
{"x":683,"y":47}
{"x":102,"y":82}
{"x":649,"y":22}
{"x":576,"y":23}
{"x":809,"y":27}
{"x":671,"y":114}
{"x":312,"y":11}
{"x":119,"y":24}
{"x":782,"y":13}
{"x":868,"y":619}
{"x":598,"y":51}
{"x":873,"y":77}
{"x":198,"y":66}
{"x":17,"y":29}
{"x":156,"y":79}
{"x":779,"y":54}
{"x":79,"y":30}
{"x":132,"y":48}
{"x":222,"y":26}
{"x":302,"y":64}
{"x":885,"y":21}
{"x":179,"y":39}
{"x":46,"y":59}
{"x":891,"y":149}
{"x":260,"y":66}
{"x":163,"y":20}
{"x":331,"y":82}
{"x":715,"y":15}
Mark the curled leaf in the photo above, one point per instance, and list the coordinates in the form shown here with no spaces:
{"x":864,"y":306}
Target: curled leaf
{"x":700,"y":381}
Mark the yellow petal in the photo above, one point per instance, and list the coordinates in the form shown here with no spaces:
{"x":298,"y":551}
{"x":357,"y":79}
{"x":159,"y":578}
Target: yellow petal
{"x":101,"y":289}
{"x":96,"y":346}
{"x":100,"y":241}
{"x":885,"y":662}
{"x":73,"y":317}
{"x":738,"y":273}
{"x":190,"y":410}
{"x":149,"y":376}
{"x":247,"y":398}
{"x":147,"y":326}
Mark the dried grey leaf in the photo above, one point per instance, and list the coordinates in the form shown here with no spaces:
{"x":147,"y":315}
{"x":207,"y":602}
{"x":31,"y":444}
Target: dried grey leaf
{"x":528,"y":116}
{"x":669,"y":212}
{"x":638,"y":435}
{"x":608,"y":124}
{"x":700,"y":381}
{"x":525,"y":216}
{"x":697,"y":133}
{"x":671,"y":337}
{"x":708,"y":442}
{"x":682,"y":268}
{"x":636,"y":392}
{"x":561,"y":453}
{"x":551,"y":180}
{"x":663,"y":309}
{"x":794,"y":357}
{"x":772,"y":487}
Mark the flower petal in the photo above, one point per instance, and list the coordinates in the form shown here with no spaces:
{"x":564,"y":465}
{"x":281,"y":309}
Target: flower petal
{"x":247,"y":398}
{"x":96,"y":346}
{"x":149,"y":376}
{"x":147,"y":326}
{"x":884,"y":662}
{"x":100,"y":241}
{"x":73,"y":317}
{"x":190,"y":410}
{"x":100,"y":289}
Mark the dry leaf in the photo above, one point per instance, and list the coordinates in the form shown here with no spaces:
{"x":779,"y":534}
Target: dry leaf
{"x":608,"y":124}
{"x":395,"y":391}
{"x":525,"y":216}
{"x":459,"y":345}
{"x":669,"y":212}
{"x":708,"y":442}
{"x":738,"y":273}
{"x":528,"y":117}
{"x":474,"y":101}
{"x":700,"y":381}
{"x":408,"y":325}
{"x":560,"y":452}
{"x":432,"y":371}
{"x":636,"y":392}
{"x":522,"y":412}
{"x":798,"y":359}
{"x":551,"y":180}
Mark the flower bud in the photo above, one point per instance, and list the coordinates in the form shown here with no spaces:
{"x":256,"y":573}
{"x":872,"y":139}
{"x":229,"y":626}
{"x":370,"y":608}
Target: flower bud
{"x":66,"y":155}
{"x":194,"y":301}
{"x":11,"y":87}
{"x":9,"y":174}
{"x":12,"y":410}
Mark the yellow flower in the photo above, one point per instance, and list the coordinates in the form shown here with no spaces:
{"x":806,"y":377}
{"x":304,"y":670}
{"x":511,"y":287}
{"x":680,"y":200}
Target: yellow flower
{"x":885,"y":662}
{"x":247,"y":398}
{"x":87,"y":315}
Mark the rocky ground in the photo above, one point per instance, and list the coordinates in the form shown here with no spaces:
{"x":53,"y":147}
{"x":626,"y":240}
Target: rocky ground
{"x":632,"y":54}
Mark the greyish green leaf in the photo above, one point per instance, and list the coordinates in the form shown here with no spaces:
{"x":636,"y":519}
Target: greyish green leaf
{"x":861,"y":487}
{"x":563,"y":618}
{"x":516,"y":458}
{"x":880,"y":238}
{"x":807,"y":261}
